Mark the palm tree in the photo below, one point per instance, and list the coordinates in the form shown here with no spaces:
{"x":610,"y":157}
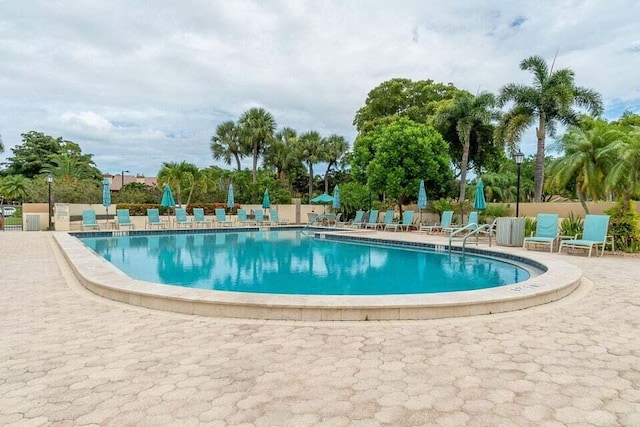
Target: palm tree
{"x":586,"y":160}
{"x":257,"y":126}
{"x":624,"y":174}
{"x":334,"y":148}
{"x":69,"y":167}
{"x":282,"y":153}
{"x":469,"y":113}
{"x":179,"y":176}
{"x":310,"y":151}
{"x":226,"y":143}
{"x":14,"y":187}
{"x":549,"y":101}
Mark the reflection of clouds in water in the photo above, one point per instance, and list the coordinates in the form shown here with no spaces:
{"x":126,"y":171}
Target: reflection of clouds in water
{"x":375,"y":258}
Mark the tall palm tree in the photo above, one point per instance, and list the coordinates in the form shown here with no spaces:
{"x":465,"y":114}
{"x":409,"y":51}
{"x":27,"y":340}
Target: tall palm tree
{"x":282,"y":153}
{"x":14,"y":187}
{"x":69,"y":167}
{"x":469,"y":113}
{"x":179,"y":176}
{"x":225,"y":144}
{"x":624,"y":175}
{"x":586,"y":159}
{"x":310,"y":151}
{"x":549,"y":101}
{"x":257,"y":126}
{"x":334,"y":148}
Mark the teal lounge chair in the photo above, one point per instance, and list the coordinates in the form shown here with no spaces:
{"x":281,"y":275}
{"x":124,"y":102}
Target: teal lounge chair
{"x":89,"y":220}
{"x":357,"y":221}
{"x":153,"y":219}
{"x":407,"y":221}
{"x":594,"y":235}
{"x":275,"y":218}
{"x":388,"y":219}
{"x":445,"y":222}
{"x":123,"y":219}
{"x":472,"y":224}
{"x":260,"y":218}
{"x":546,"y":232}
{"x":221,"y":218}
{"x":181,"y":218}
{"x":199,"y":218}
{"x":373,"y":219}
{"x":243,"y":220}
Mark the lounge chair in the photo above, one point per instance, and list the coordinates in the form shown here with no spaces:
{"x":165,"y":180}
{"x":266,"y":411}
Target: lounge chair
{"x":89,"y":220}
{"x":221,"y":218}
{"x":153,"y":219}
{"x":407,"y":221}
{"x":445,"y":222}
{"x":275,"y":218}
{"x":594,"y":235}
{"x":243,"y":220}
{"x":199,"y":218}
{"x":123,"y":218}
{"x":357,"y":221}
{"x":546,"y":232}
{"x":373,"y":220}
{"x":260,"y":218}
{"x":181,"y":218}
{"x":387,"y":219}
{"x":472,"y":224}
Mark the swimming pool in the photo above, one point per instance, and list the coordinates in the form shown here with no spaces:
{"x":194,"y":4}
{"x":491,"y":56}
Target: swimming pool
{"x":291,"y":262}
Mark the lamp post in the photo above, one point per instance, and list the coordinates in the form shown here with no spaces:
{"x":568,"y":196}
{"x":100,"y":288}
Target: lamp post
{"x":49,"y":181}
{"x":519,"y":158}
{"x":122,"y":182}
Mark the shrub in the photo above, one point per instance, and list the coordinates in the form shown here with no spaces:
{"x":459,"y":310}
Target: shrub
{"x":571,"y":225}
{"x":530,"y":225}
{"x":623,"y":226}
{"x":493,"y":211}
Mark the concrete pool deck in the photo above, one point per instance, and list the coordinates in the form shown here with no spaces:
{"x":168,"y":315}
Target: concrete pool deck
{"x":69,"y":357}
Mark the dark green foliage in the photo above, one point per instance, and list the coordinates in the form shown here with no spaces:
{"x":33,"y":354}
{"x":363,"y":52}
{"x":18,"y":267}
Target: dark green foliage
{"x":530,"y":225}
{"x":624,"y":227}
{"x":353,"y":196}
{"x":571,"y":225}
{"x":440,"y":206}
{"x":494,"y":211}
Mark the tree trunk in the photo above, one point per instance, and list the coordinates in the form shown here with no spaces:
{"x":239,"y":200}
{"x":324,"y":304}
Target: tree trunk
{"x":255,"y":163}
{"x":326,"y":178}
{"x":237,"y":160}
{"x":310,"y":180}
{"x":539,"y":173}
{"x":581,"y":196}
{"x":463,"y":165}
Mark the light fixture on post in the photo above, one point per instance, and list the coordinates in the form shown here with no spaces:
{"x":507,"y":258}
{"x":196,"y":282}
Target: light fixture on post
{"x":122,"y":182}
{"x":49,"y":182}
{"x":519,"y":158}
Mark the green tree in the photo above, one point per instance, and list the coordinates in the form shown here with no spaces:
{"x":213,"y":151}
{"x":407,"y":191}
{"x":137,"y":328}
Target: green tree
{"x":469,"y":113}
{"x":334,"y":148}
{"x":401,"y":98}
{"x":68,"y":166}
{"x":585,"y":160}
{"x":179,"y":176}
{"x":225,"y":144}
{"x":405,"y":153}
{"x":282,"y":154}
{"x":257,"y":126}
{"x":14,"y":187}
{"x":64,"y":191}
{"x":310,"y":152}
{"x":624,"y":175}
{"x":549,"y":101}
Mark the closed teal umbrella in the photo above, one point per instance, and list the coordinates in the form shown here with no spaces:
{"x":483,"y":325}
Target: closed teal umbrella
{"x":336,"y":197}
{"x":266,"y":203}
{"x":106,"y":196}
{"x":167,"y":198}
{"x":422,"y":198}
{"x":479,"y":204}
{"x":230,"y":201}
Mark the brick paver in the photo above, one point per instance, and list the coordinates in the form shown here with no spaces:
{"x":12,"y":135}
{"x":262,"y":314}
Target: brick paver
{"x":68,"y":357}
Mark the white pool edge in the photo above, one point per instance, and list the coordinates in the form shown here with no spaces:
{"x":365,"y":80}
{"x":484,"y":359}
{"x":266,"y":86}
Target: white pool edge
{"x":104,"y":279}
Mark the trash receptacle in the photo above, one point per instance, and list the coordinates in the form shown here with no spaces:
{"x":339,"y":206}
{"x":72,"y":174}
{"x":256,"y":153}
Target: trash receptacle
{"x":510,"y":231}
{"x":33,"y":222}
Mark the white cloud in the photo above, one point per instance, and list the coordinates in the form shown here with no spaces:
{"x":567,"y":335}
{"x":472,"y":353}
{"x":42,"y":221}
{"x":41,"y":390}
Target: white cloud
{"x":139,"y":83}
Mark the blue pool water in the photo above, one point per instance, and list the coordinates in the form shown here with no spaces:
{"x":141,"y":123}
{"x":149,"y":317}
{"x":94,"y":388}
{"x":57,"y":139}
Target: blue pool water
{"x":288,"y":262}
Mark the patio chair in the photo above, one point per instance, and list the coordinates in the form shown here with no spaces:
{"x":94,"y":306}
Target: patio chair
{"x":407,"y":221}
{"x":445,"y":222}
{"x":594,"y":235}
{"x":181,"y":218}
{"x":260,"y":218}
{"x":153,"y":219}
{"x":89,"y":220}
{"x":243,"y":220}
{"x":199,"y":218}
{"x":373,"y":220}
{"x":221,"y":218}
{"x":275,"y":218}
{"x":388,"y":219}
{"x":546,"y":232}
{"x":472,"y":224}
{"x":357,"y":221}
{"x":123,"y":219}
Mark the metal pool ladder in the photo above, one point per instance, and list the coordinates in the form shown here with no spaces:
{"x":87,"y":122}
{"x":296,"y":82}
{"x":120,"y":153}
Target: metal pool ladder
{"x":486,"y":229}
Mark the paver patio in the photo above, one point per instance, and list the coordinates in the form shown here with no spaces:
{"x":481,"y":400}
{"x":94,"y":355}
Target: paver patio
{"x":68,"y":357}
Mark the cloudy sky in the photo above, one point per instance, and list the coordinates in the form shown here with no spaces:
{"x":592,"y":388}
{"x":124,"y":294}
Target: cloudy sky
{"x":138,"y":83}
